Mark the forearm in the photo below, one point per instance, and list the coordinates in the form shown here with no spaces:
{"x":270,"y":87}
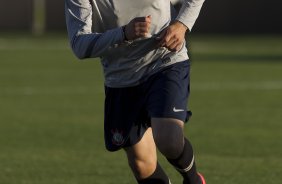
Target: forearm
{"x":189,"y":12}
{"x":94,"y":44}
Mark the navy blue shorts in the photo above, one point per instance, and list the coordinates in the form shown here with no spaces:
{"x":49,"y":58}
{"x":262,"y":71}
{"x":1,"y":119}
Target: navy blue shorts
{"x":128,"y":111}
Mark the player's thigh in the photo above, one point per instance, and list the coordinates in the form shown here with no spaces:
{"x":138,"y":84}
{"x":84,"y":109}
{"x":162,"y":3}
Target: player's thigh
{"x":142,"y":157}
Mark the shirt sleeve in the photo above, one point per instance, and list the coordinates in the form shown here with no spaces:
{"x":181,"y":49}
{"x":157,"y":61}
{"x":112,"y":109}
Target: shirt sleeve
{"x":85,"y":43}
{"x":189,"y":12}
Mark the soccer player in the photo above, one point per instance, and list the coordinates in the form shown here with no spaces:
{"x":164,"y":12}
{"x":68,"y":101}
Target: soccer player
{"x":141,"y":44}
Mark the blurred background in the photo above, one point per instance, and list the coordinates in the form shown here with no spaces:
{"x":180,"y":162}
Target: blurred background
{"x":51,"y":105}
{"x":218,"y":16}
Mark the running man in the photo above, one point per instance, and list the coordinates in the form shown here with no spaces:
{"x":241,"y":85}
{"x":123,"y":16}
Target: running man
{"x":146,"y":67}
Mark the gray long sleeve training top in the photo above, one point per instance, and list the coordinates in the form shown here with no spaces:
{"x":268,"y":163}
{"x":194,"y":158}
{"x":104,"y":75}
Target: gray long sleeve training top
{"x":95,"y":30}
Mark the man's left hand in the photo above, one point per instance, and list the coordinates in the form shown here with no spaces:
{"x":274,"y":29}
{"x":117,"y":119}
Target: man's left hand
{"x":173,"y":36}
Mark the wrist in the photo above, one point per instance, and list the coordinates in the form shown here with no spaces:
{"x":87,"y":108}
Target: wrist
{"x":181,"y":25}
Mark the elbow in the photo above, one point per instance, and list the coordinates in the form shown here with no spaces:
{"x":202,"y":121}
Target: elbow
{"x":83,"y":54}
{"x":78,"y":49}
{"x":79,"y":55}
{"x":84,"y":48}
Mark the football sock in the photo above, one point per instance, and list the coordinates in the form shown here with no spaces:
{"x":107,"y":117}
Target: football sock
{"x":158,"y":177}
{"x":185,"y":164}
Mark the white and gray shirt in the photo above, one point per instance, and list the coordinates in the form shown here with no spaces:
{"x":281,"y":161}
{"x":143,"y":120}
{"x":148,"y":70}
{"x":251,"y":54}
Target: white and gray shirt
{"x":95,"y":30}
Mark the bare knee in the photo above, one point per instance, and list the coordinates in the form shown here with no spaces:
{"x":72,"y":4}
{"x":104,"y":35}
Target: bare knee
{"x":142,"y":168}
{"x":168,"y":136}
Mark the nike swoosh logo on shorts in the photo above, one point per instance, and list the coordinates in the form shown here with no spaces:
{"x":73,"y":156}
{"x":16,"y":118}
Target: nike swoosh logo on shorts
{"x":177,"y":110}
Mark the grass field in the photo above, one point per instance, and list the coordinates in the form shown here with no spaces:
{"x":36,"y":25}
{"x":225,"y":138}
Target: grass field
{"x":51,"y":113}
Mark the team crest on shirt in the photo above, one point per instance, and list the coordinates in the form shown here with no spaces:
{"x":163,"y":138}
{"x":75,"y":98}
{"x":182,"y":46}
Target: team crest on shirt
{"x":117,"y":137}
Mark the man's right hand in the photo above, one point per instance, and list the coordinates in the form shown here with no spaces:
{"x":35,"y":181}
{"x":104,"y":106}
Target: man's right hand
{"x":138,"y":27}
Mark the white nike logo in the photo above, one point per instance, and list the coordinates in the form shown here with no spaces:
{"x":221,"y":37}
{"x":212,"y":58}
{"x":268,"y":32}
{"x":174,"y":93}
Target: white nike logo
{"x":177,"y":110}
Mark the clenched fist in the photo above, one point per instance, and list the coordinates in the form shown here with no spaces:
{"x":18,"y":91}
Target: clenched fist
{"x":137,"y":28}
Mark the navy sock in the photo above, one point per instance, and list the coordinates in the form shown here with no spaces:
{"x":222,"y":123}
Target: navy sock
{"x":158,"y":177}
{"x":185,"y":165}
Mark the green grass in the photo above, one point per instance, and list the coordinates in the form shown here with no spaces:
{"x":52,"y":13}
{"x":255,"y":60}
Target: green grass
{"x":51,"y":113}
